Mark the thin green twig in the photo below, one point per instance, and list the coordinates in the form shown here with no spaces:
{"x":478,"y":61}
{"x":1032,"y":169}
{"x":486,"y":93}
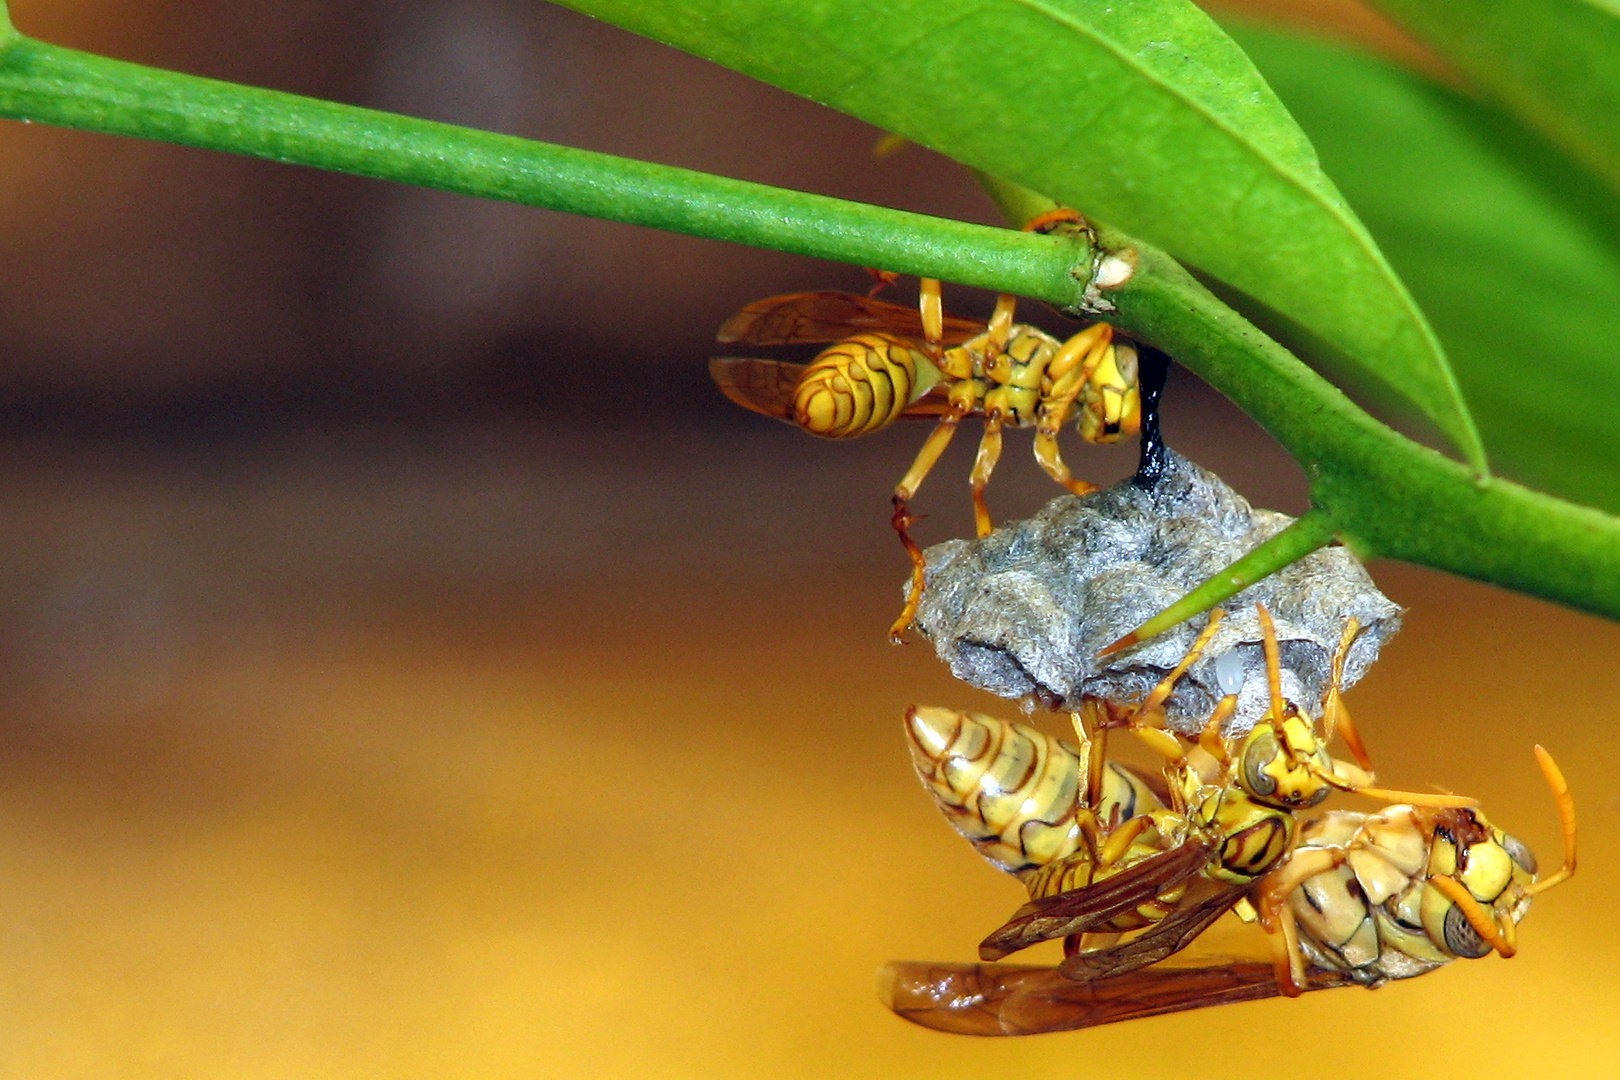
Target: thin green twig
{"x":53,"y":85}
{"x":1379,"y":490}
{"x":1305,"y":535}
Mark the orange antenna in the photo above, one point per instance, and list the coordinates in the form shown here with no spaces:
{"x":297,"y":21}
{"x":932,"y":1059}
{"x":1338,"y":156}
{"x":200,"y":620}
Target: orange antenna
{"x":1566,"y":819}
{"x":1268,"y":640}
{"x":1412,"y":798}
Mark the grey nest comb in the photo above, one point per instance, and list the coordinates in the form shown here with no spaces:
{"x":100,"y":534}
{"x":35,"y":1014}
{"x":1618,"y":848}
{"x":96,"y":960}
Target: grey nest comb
{"x":1024,"y":611}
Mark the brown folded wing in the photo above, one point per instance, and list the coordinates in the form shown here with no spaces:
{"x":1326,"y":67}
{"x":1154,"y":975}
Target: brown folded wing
{"x":765,"y":386}
{"x":1009,"y":999}
{"x":1163,"y":939}
{"x":1081,"y":910}
{"x":803,"y":318}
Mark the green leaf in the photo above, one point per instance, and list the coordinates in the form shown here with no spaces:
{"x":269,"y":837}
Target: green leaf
{"x":1142,"y":114}
{"x":1555,"y":63}
{"x":1514,"y":255}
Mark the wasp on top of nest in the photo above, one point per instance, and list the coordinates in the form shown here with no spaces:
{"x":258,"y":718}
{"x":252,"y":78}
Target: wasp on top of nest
{"x":888,"y":361}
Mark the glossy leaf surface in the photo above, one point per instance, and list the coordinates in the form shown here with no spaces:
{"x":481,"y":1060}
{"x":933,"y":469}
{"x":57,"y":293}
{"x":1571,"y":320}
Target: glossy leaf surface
{"x":1145,"y":115}
{"x":1514,"y":254}
{"x":1555,"y":63}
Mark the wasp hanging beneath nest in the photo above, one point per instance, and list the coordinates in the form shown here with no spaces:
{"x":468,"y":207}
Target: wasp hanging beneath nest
{"x":1128,"y":870}
{"x":1393,"y":895}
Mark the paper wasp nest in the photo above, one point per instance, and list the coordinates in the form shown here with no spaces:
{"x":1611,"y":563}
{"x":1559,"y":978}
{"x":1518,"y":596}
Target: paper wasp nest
{"x":1023,"y":612}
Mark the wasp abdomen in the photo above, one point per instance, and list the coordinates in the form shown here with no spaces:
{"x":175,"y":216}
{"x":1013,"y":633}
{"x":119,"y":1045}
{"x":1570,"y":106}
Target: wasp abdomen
{"x":860,"y":385}
{"x":1011,"y":790}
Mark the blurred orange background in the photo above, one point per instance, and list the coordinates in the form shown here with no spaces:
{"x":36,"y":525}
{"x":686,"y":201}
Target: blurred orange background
{"x":413,"y":668}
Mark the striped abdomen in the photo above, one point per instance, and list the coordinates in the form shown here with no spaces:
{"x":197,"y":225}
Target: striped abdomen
{"x":860,"y":384}
{"x":1012,"y":791}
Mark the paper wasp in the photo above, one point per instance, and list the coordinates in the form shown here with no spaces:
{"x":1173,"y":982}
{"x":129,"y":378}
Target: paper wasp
{"x":1128,"y":874}
{"x":1225,"y":819}
{"x":889,"y":361}
{"x":1363,"y":899}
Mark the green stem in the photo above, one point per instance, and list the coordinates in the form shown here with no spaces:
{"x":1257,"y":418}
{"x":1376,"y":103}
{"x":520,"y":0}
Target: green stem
{"x":1383,"y":493}
{"x":53,"y":85}
{"x":1305,"y":535}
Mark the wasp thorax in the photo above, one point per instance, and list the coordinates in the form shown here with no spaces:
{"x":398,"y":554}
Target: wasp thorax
{"x":1256,"y":849}
{"x":857,"y":386}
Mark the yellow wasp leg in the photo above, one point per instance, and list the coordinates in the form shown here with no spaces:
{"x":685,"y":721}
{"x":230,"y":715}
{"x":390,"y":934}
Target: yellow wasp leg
{"x":1286,"y":959}
{"x":1001,"y":322}
{"x":1150,"y":708}
{"x":993,"y":362}
{"x":1210,"y":739}
{"x":1048,"y":458}
{"x":928,"y":456}
{"x":1120,"y":840}
{"x":964,"y":400}
{"x":1161,"y":742}
{"x":983,"y":465}
{"x":1069,"y":374}
{"x":1277,"y":918}
{"x":1093,"y":737}
{"x":903,"y":519}
{"x":1077,"y":359}
{"x":932,"y":307}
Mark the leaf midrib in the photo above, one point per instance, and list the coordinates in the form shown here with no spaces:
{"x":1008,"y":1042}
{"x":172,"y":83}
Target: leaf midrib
{"x":1316,"y":195}
{"x":1339,"y":212}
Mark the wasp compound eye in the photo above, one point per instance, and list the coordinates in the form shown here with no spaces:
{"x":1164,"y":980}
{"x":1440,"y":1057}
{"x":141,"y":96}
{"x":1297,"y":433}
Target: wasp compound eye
{"x":1519,"y":852}
{"x":1260,"y":752}
{"x":1461,"y":937}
